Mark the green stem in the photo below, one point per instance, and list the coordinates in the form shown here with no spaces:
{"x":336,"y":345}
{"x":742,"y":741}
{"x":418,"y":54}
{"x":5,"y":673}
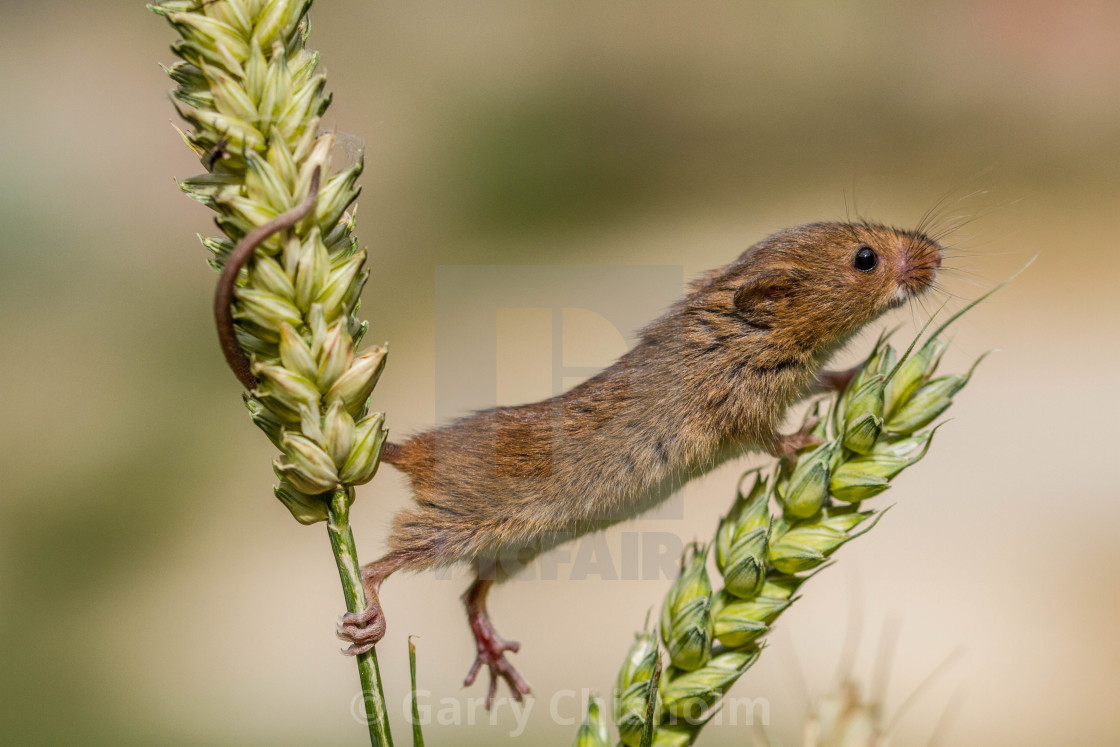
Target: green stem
{"x":346,"y":556}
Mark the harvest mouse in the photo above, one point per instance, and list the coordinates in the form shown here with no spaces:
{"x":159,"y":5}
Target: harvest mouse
{"x":710,"y":379}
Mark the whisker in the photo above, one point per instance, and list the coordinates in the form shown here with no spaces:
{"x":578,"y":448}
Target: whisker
{"x":940,"y":289}
{"x":922,"y":303}
{"x":969,"y":273}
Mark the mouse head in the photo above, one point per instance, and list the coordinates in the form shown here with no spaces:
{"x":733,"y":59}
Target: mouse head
{"x":822,"y":282}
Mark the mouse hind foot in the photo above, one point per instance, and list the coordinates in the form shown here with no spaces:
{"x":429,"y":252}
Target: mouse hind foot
{"x":491,"y":647}
{"x":364,"y":629}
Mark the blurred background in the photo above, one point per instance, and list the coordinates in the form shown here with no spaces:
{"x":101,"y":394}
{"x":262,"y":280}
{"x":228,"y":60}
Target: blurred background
{"x":152,"y":591}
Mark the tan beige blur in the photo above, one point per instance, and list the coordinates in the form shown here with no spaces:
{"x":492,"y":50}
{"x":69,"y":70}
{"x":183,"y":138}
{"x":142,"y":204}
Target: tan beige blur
{"x":139,"y":541}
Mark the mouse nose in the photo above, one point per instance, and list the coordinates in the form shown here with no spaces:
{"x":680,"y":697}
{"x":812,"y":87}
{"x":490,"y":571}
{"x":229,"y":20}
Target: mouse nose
{"x":922,"y":263}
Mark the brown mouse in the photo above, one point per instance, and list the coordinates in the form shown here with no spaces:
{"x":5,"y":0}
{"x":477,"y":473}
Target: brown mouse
{"x":710,"y":379}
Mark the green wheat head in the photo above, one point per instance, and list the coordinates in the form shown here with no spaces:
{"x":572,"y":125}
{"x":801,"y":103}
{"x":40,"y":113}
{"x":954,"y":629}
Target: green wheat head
{"x":251,"y":93}
{"x":249,"y":89}
{"x":784,"y":525}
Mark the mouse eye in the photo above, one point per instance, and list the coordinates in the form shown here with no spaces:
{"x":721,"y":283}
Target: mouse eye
{"x":866,"y":259}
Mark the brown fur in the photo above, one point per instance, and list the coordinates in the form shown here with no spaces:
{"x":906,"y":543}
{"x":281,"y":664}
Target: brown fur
{"x":711,"y":378}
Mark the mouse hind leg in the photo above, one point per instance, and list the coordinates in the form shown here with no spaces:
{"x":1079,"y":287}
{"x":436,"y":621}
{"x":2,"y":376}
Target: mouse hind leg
{"x":364,"y":629}
{"x":421,"y":539}
{"x":491,"y":647}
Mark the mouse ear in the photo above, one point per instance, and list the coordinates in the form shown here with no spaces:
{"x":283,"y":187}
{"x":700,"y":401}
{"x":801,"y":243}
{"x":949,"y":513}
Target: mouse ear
{"x":760,"y":297}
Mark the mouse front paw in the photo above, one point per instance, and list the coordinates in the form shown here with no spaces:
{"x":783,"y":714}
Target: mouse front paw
{"x":835,"y":381}
{"x":362,"y":629}
{"x":787,"y":446}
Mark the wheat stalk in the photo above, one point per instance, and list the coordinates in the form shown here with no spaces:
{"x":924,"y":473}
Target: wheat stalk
{"x":290,"y":269}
